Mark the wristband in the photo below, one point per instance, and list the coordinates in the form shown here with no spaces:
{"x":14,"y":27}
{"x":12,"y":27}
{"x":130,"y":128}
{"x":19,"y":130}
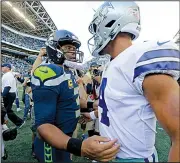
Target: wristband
{"x":74,"y":146}
{"x":82,"y":110}
{"x":90,"y":105}
{"x":92,"y":115}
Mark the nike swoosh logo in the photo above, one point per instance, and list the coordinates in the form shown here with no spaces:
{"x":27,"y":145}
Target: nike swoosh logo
{"x":161,"y":43}
{"x":45,"y":71}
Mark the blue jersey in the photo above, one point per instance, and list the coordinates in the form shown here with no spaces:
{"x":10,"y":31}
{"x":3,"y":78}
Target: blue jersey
{"x":55,"y":95}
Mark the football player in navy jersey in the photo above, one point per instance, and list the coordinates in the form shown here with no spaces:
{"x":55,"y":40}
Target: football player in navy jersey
{"x":56,"y":106}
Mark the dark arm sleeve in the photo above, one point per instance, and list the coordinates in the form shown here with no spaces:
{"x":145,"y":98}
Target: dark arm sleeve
{"x":6,"y":91}
{"x":20,"y":80}
{"x":29,"y":84}
{"x":89,"y":88}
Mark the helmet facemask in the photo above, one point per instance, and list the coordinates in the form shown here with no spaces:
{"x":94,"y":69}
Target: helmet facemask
{"x":96,"y":41}
{"x":61,"y":53}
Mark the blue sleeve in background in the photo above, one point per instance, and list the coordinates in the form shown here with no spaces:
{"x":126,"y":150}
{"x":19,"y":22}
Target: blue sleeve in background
{"x":6,"y":91}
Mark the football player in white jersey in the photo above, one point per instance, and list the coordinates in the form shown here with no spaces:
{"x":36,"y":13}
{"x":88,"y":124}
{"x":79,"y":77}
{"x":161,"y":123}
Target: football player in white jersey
{"x":138,"y":85}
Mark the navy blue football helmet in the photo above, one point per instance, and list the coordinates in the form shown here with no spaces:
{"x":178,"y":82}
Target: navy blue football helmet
{"x":61,"y":38}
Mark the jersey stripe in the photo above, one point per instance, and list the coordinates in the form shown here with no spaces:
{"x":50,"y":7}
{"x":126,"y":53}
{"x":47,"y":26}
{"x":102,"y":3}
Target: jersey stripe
{"x":157,"y":66}
{"x":157,"y":60}
{"x":57,"y":81}
{"x":160,"y":53}
{"x":35,"y":81}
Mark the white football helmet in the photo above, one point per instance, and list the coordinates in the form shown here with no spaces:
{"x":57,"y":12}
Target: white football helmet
{"x":110,"y":19}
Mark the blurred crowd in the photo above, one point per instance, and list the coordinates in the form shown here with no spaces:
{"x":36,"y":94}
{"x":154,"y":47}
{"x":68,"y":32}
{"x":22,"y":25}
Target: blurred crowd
{"x":27,"y":42}
{"x":19,"y":65}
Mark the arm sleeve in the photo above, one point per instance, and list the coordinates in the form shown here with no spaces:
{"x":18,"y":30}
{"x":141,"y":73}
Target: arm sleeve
{"x":89,"y":88}
{"x":45,"y":101}
{"x":6,"y":91}
{"x":20,"y":80}
{"x":75,"y":65}
{"x":29,"y":83}
{"x":162,"y":61}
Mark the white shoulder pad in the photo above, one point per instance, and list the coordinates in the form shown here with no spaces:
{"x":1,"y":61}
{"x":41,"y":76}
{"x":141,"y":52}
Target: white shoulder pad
{"x":159,"y":57}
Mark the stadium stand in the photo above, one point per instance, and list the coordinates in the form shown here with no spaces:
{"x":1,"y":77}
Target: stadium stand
{"x":25,"y":27}
{"x":28,"y":17}
{"x":20,"y":40}
{"x":20,"y":65}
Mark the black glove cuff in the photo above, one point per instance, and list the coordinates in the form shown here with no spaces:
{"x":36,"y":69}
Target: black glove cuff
{"x":9,"y":134}
{"x":90,"y":105}
{"x":83,"y":110}
{"x":74,"y":146}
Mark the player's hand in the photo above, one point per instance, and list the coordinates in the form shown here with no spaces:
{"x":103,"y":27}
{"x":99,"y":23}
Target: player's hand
{"x":5,"y":122}
{"x":100,"y":148}
{"x":95,"y":105}
{"x":24,"y":84}
{"x":42,"y":51}
{"x":82,"y":120}
{"x":17,"y":76}
{"x":86,"y":117}
{"x":97,"y":78}
{"x":79,"y":81}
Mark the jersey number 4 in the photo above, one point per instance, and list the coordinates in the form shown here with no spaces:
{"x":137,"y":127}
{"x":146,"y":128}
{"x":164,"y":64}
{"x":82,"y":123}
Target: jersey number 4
{"x":102,"y":103}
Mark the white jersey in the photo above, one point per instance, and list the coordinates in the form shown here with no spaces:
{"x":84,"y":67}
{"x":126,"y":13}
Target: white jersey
{"x":16,"y":73}
{"x":8,"y":80}
{"x":124,"y":112}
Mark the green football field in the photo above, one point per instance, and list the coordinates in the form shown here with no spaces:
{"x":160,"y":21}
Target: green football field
{"x":19,"y":150}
